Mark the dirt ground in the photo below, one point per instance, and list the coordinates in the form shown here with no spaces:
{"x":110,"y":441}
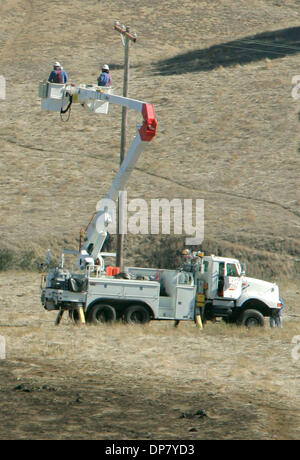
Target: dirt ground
{"x":219,"y":75}
{"x":153,"y":382}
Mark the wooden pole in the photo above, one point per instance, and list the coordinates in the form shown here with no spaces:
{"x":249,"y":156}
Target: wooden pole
{"x":127,"y":37}
{"x":125,"y":94}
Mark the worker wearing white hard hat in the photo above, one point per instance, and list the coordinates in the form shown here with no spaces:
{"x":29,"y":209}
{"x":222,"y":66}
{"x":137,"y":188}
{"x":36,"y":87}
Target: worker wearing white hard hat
{"x":58,"y":74}
{"x":104,"y":78}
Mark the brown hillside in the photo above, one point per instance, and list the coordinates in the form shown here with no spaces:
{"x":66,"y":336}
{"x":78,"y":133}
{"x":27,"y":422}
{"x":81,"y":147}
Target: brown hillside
{"x":228,"y":126}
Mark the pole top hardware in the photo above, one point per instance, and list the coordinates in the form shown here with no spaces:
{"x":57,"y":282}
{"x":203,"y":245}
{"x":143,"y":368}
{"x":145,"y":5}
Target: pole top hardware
{"x":125,"y":30}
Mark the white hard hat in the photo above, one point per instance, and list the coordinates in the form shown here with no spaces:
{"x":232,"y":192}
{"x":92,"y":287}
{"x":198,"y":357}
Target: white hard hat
{"x":56,"y":64}
{"x":105,"y":67}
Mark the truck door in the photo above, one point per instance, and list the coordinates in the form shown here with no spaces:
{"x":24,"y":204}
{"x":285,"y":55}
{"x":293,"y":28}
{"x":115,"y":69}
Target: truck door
{"x":185,"y":297}
{"x":232,"y":281}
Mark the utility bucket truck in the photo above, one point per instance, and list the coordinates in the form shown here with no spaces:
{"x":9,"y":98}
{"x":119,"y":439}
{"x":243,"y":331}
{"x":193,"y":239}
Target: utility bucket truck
{"x":203,"y":288}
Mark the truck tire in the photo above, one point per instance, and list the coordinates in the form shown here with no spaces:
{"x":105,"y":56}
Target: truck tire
{"x":136,"y":314}
{"x":252,"y":318}
{"x":102,"y":313}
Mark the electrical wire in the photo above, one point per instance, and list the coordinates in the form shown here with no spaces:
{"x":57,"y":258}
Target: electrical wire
{"x":279,"y":46}
{"x":254,"y":49}
{"x":275,"y":45}
{"x":277,"y":49}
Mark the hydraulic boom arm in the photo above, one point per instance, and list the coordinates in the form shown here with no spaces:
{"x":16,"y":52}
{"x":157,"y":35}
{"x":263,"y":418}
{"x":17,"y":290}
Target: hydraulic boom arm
{"x":55,"y":97}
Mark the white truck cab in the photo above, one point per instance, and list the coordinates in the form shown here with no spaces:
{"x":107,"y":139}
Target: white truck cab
{"x":229,"y":293}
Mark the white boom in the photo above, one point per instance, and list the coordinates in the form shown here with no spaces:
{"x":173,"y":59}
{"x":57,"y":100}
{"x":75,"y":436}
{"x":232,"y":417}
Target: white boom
{"x":56,"y":97}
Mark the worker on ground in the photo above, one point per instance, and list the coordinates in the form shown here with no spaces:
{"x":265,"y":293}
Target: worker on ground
{"x":58,"y":75}
{"x":278,"y":320}
{"x":104,"y":78}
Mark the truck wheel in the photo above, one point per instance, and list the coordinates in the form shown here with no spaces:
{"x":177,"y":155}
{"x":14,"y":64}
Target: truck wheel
{"x":102,"y":313}
{"x":137,"y":314}
{"x":252,"y":318}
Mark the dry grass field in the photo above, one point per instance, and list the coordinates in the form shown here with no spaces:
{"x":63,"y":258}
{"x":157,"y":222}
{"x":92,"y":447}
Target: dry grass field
{"x":220,"y":77}
{"x":121,"y":382}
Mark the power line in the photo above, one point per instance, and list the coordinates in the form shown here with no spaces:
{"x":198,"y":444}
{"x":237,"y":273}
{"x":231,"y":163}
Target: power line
{"x":275,"y":45}
{"x":255,"y":49}
{"x":235,"y":45}
{"x":265,"y":44}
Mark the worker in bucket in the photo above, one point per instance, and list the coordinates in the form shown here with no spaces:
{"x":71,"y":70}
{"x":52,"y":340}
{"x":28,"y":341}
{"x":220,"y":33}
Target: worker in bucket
{"x":104,"y":78}
{"x":58,"y":74}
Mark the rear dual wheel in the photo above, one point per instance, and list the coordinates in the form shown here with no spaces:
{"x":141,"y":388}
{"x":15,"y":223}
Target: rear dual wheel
{"x":136,"y":314}
{"x":102,"y":313}
{"x":105,"y":313}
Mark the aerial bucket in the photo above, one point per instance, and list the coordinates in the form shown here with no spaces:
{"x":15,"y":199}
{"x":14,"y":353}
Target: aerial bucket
{"x":52,"y":95}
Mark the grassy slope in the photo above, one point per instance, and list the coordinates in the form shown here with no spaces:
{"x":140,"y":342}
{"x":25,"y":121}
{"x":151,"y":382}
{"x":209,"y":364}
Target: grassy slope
{"x":228,"y":134}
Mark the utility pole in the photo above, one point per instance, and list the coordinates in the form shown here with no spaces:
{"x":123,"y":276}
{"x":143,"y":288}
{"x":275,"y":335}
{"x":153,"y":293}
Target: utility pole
{"x":126,"y":37}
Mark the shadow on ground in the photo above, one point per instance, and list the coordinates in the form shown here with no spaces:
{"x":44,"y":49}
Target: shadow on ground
{"x":272,"y":45}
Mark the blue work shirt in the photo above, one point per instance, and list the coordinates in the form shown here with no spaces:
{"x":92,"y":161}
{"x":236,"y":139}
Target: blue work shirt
{"x":58,"y":76}
{"x":104,"y":79}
